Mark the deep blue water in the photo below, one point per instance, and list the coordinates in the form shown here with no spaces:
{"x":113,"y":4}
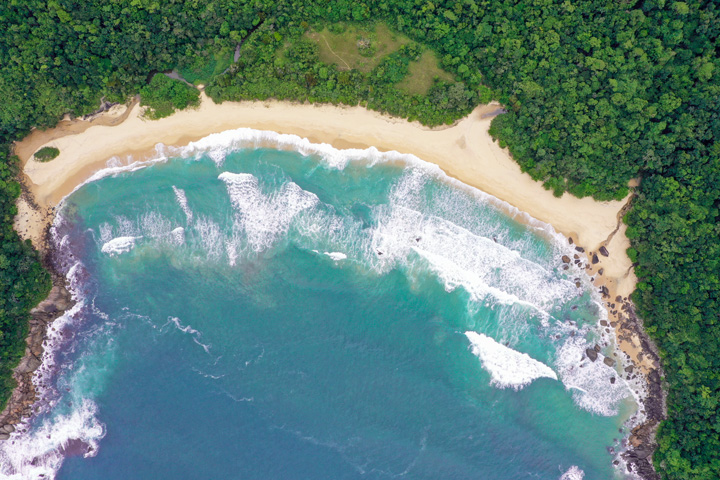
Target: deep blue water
{"x":263,"y":314}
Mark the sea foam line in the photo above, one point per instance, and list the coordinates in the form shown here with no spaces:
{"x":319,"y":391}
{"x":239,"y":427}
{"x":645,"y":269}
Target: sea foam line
{"x":196,"y":335}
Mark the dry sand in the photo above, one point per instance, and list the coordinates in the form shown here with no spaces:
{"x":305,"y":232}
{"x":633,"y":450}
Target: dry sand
{"x":464,"y":151}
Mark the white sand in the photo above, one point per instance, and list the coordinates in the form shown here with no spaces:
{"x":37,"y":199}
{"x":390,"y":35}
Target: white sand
{"x":464,"y":151}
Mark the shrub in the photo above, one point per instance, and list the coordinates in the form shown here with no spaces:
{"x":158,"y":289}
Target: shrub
{"x":46,"y":154}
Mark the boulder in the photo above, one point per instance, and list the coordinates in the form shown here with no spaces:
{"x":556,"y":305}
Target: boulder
{"x":595,"y":259}
{"x":565,"y":259}
{"x":609,"y":361}
{"x":28,"y":364}
{"x":604,"y":252}
{"x":592,"y":354}
{"x":4,"y":436}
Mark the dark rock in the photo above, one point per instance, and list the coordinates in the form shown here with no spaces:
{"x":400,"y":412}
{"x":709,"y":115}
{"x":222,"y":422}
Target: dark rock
{"x":612,"y":380}
{"x":609,"y":361}
{"x":75,"y":448}
{"x":595,"y":259}
{"x":604,"y":323}
{"x":580,"y":249}
{"x":597,"y":347}
{"x":644,"y":451}
{"x":565,"y":259}
{"x":4,"y":436}
{"x":28,"y":364}
{"x":592,"y":354}
{"x":570,"y":240}
{"x":601,"y":271}
{"x":604,"y":252}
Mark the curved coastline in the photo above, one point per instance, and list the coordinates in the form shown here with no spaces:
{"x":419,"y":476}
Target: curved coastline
{"x":465,"y":151}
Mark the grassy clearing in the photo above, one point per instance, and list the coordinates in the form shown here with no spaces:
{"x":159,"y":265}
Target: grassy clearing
{"x":203,"y":69}
{"x":350,"y":47}
{"x":422,"y":75}
{"x":46,"y":154}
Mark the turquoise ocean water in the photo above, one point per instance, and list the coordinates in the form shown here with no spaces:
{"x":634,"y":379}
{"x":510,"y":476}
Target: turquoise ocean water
{"x":248,"y":312}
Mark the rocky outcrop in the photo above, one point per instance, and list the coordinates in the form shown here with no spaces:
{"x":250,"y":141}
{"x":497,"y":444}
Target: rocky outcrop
{"x":24,"y":396}
{"x":638,"y":456}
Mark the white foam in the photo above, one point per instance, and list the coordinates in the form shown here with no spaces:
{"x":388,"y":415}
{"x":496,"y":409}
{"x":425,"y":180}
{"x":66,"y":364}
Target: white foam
{"x":217,"y":145}
{"x":507,"y":367}
{"x":106,"y":232}
{"x":573,"y":473}
{"x":154,"y":225}
{"x":588,"y":381}
{"x":337,"y":256}
{"x":119,"y":245}
{"x":265,"y":218}
{"x":183,"y":202}
{"x":37,"y":454}
{"x":458,"y":256}
{"x":196,"y":335}
{"x":210,"y":236}
{"x":177,"y":236}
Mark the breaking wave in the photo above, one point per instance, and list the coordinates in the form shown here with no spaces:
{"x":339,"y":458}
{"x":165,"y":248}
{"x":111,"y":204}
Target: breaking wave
{"x":507,"y":367}
{"x":264,"y":218}
{"x":119,"y":245}
{"x":573,"y":473}
{"x":40,"y":453}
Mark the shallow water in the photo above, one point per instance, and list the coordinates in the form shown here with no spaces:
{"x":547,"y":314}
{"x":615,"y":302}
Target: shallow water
{"x":256,"y":313}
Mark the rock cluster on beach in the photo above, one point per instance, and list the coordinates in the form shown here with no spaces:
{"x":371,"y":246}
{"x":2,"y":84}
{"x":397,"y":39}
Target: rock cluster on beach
{"x":24,"y":396}
{"x":628,"y":330}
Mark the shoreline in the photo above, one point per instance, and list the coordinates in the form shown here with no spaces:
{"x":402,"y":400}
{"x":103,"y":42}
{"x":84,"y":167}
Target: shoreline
{"x":464,"y":151}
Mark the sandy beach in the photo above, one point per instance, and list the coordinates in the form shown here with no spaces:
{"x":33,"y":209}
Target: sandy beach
{"x":464,"y":151}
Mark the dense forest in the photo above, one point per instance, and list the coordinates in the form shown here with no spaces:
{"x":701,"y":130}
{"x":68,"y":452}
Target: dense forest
{"x":597,"y":93}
